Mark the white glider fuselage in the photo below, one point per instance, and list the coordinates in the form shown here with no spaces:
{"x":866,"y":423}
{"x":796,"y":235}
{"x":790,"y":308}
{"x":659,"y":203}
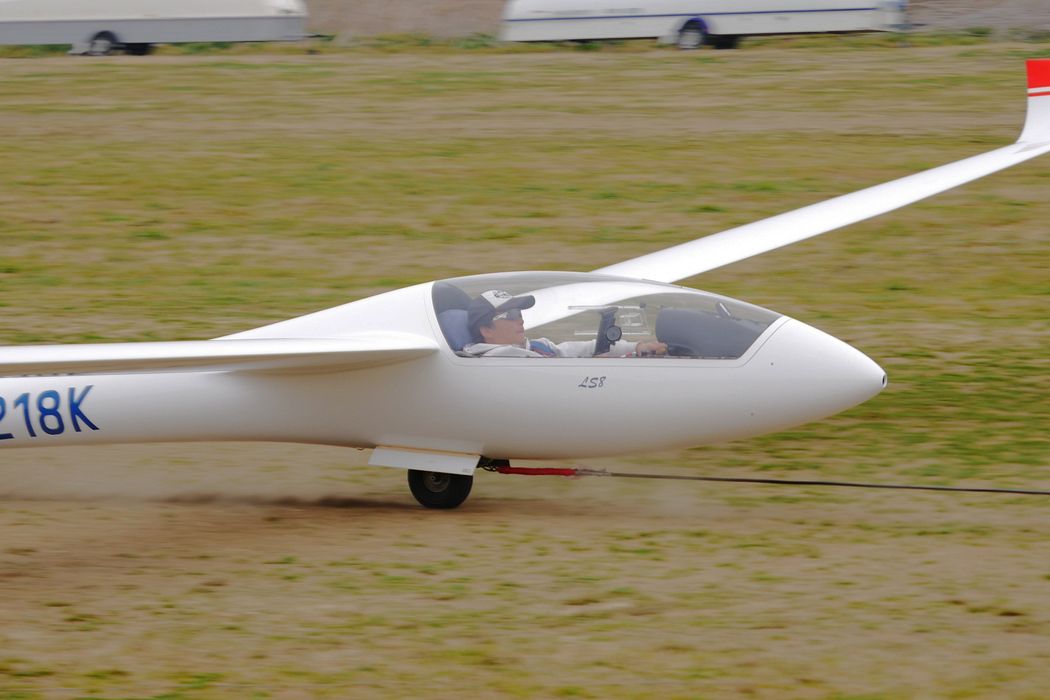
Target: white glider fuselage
{"x":503,"y":407}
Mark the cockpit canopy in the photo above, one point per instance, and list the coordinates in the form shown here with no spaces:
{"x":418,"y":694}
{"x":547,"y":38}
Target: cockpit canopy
{"x":576,"y":306}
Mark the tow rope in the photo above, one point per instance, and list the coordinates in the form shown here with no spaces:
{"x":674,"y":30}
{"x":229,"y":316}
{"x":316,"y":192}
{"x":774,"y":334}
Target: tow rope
{"x":583,"y":471}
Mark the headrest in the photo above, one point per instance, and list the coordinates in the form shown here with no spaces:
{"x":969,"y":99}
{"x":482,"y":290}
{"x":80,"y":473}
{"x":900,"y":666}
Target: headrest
{"x":449,"y":296}
{"x":453,"y":324}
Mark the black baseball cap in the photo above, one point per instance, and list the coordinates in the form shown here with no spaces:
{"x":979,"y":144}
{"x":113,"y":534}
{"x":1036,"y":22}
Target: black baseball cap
{"x":492,"y":303}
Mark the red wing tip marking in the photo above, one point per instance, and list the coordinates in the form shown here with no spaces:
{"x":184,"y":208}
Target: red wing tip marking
{"x":1038,"y":76}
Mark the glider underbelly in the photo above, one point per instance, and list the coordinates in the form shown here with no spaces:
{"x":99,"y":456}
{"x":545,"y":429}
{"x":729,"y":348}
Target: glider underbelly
{"x":611,"y":408}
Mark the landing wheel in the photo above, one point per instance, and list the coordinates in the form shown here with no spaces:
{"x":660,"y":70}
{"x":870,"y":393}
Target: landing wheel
{"x":437,"y":490}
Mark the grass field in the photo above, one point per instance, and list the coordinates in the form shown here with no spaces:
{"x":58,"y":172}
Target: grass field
{"x":176,"y":197}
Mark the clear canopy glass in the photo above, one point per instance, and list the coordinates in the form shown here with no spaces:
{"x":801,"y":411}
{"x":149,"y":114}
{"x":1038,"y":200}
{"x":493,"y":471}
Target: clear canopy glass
{"x":571,"y":307}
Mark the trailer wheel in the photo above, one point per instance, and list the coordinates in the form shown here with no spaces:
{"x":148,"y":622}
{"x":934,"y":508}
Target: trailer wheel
{"x":724,"y":41}
{"x":691,"y":36}
{"x":139,"y":49}
{"x":102,"y":44}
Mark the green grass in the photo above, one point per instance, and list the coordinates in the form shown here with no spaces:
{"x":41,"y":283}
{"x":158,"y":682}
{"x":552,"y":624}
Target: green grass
{"x":193,"y":196}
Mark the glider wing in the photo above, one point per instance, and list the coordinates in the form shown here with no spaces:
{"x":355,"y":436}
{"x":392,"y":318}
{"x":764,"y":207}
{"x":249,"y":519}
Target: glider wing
{"x":692,"y":258}
{"x":259,"y":355}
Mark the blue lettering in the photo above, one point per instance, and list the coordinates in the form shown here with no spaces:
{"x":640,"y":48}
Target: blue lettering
{"x":47,"y":404}
{"x":49,"y":414}
{"x":3,"y":412}
{"x":23,"y":401}
{"x":74,"y":408}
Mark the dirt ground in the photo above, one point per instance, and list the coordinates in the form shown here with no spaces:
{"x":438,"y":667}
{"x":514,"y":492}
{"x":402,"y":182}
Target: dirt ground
{"x":238,"y":571}
{"x":448,"y":18}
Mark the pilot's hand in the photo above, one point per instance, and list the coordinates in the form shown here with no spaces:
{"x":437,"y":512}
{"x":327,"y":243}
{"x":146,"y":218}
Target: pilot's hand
{"x":650,"y":347}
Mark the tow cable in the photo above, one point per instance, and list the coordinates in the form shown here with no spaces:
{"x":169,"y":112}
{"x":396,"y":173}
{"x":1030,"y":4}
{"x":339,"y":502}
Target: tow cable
{"x":501,"y":467}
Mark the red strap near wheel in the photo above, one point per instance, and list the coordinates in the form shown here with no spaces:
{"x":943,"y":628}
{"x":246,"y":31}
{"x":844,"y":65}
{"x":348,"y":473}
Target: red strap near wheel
{"x":538,"y":471}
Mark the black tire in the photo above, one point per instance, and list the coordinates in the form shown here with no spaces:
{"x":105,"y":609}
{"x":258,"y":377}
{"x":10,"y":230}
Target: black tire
{"x":724,"y":41}
{"x":102,"y":44}
{"x":691,"y":36}
{"x":138,"y":49}
{"x":437,"y":490}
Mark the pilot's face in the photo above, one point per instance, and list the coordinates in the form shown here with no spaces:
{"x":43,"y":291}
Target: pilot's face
{"x":505,"y":331}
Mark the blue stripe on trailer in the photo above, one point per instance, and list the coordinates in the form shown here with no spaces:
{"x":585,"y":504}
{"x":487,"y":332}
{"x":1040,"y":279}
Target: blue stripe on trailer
{"x":692,"y":14}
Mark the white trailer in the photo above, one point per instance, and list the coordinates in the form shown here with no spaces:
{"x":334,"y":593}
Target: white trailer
{"x":692,"y":23}
{"x":100,"y":26}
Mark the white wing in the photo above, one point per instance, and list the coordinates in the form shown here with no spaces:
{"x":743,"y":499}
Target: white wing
{"x":259,"y":355}
{"x":688,"y":259}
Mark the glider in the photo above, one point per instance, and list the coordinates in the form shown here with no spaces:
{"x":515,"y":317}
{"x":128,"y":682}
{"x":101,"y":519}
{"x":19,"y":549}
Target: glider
{"x":401,"y":372}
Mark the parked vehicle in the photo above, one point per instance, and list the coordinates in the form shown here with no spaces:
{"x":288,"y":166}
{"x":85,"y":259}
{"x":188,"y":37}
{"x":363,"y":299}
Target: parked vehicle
{"x":693,"y":23}
{"x":100,"y":27}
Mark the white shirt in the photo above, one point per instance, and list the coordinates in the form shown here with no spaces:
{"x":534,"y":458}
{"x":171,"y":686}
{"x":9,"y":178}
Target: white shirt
{"x":545,"y":347}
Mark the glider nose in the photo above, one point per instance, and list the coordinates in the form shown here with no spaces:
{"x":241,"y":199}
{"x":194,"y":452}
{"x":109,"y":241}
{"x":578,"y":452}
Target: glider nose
{"x":817,"y":374}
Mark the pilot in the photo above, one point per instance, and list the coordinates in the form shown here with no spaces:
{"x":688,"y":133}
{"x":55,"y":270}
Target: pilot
{"x":497,"y":330}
